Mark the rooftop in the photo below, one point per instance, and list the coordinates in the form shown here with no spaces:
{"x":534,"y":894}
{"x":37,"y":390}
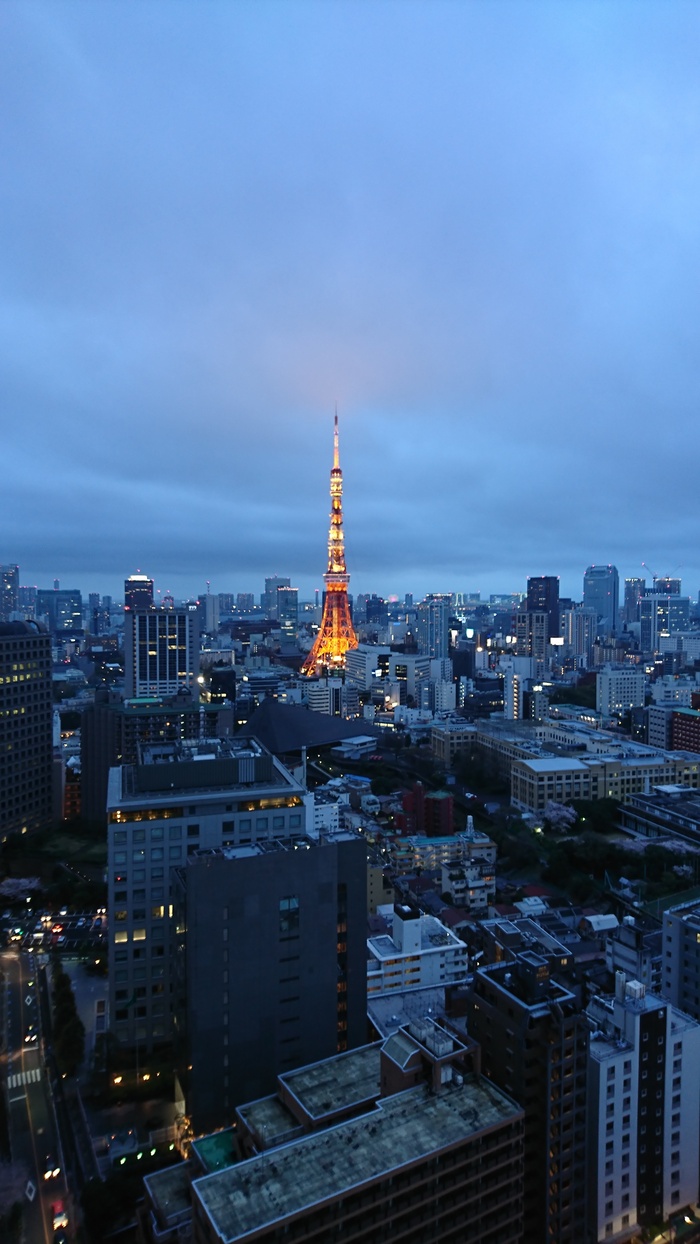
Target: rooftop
{"x":340,"y":1082}
{"x":324,"y":1165}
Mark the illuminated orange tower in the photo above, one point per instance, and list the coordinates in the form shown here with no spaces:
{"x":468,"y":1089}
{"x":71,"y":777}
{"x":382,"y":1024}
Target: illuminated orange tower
{"x":337,"y":633}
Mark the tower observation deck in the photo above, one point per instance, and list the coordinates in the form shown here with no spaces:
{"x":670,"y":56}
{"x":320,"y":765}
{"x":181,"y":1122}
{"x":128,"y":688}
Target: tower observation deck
{"x":336,"y":634}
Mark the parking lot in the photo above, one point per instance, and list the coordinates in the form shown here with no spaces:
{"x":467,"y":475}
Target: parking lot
{"x":74,"y":933}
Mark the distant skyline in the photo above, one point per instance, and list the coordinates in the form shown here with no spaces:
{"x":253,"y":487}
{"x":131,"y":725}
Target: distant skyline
{"x":473,"y":226}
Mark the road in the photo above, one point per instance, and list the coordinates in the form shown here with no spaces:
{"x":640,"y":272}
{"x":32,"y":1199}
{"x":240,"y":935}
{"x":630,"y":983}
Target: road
{"x":30,"y":1108}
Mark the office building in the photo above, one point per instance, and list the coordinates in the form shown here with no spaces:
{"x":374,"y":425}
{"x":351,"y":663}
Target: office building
{"x":667,"y":586}
{"x":643,"y":1107}
{"x":532,"y":639}
{"x":579,"y":629}
{"x":618,"y":690}
{"x":543,"y":597}
{"x":113,"y":728}
{"x":635,"y":589}
{"x":268,"y":600}
{"x":288,"y":982}
{"x":161,"y":651}
{"x":601,"y":591}
{"x":434,"y":1154}
{"x":287,"y":612}
{"x":534,"y":1046}
{"x":178,"y":799}
{"x":432,"y":619}
{"x":138,"y":592}
{"x":26,"y":728}
{"x":661,"y":614}
{"x":9,"y":592}
{"x":61,"y":609}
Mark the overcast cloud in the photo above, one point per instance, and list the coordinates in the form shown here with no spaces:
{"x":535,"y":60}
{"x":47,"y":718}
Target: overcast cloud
{"x":473,"y":225}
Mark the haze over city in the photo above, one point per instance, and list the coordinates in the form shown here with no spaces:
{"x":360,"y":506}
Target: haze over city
{"x":473,"y":226}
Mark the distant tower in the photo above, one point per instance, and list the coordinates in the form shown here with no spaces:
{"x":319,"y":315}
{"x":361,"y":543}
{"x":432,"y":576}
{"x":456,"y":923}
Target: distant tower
{"x":336,"y":634}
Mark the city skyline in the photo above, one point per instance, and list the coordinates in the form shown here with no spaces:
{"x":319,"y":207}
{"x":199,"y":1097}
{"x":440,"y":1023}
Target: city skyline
{"x":473,"y":227}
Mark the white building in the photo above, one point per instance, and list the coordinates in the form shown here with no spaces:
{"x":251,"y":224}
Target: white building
{"x":617,"y":690}
{"x":471,"y":885}
{"x":420,"y":952}
{"x":643,"y":1107}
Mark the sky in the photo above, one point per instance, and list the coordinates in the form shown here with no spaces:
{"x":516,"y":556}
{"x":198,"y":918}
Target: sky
{"x":471,"y":224}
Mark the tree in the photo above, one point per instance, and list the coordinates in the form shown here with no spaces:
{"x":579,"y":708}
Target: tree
{"x":13,"y":1181}
{"x":559,"y":817}
{"x":70,"y":1046}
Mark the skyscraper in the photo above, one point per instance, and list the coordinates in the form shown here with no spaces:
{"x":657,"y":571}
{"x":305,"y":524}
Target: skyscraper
{"x":336,"y":634}
{"x":432,"y":617}
{"x":269,"y":596}
{"x":543,"y":597}
{"x":601,"y":591}
{"x":634,"y":590}
{"x":161,"y":650}
{"x":9,"y":591}
{"x":26,"y":727}
{"x":288,"y":612}
{"x":138,"y":592}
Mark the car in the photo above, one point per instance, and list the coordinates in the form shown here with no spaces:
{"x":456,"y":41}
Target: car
{"x":81,"y":923}
{"x":31,"y":1036}
{"x":60,"y":1237}
{"x":51,"y":1168}
{"x":97,"y":922}
{"x":58,"y":1215}
{"x":16,"y":935}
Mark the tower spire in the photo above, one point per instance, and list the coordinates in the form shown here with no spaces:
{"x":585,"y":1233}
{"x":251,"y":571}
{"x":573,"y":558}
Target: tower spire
{"x":336,"y":634}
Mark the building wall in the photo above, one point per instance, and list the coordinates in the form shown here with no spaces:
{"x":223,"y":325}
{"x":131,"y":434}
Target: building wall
{"x":26,"y":728}
{"x":151,"y":832}
{"x":273,"y":945}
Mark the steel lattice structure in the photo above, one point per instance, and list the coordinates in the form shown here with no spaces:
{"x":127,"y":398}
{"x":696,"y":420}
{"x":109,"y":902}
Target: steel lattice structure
{"x":337,"y":633}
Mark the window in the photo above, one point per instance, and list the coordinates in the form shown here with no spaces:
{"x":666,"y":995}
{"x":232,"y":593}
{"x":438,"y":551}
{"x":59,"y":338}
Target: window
{"x":289,"y":914}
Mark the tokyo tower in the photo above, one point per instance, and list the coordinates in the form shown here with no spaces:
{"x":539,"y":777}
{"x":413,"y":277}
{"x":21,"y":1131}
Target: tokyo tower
{"x":337,"y":633}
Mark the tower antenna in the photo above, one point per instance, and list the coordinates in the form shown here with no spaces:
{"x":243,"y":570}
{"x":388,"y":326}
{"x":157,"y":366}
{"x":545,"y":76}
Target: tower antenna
{"x":336,"y":634}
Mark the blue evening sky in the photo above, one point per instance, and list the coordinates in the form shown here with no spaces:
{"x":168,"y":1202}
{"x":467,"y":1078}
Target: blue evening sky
{"x":473,"y":225}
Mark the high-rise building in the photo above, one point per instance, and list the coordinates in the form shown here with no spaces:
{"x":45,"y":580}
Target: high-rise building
{"x":579,"y":628}
{"x":669,"y":586}
{"x":336,"y":635}
{"x":180,"y":798}
{"x":288,"y":613}
{"x":644,"y":1099}
{"x":26,"y":601}
{"x":534,"y":1045}
{"x":9,"y":591}
{"x":112,"y":729}
{"x":601,"y":591}
{"x":138,"y":592}
{"x":634,"y":590}
{"x":62,"y":609}
{"x":245,"y":602}
{"x":543,"y":597}
{"x":26,"y":728}
{"x":433,"y":624}
{"x":268,"y":600}
{"x":532,"y":639}
{"x":161,"y":651}
{"x":661,"y":613}
{"x":290,"y":985}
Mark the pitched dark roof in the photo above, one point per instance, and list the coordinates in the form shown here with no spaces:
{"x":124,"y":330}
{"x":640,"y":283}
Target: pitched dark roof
{"x":286,"y":728}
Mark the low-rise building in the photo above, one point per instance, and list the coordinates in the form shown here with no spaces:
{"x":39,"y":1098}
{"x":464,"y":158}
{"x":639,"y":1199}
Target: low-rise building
{"x":421,"y":951}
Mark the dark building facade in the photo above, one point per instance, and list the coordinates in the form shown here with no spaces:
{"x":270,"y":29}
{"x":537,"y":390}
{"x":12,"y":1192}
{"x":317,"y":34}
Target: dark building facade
{"x":534,"y":1045}
{"x":271,"y":965}
{"x":138,"y":592}
{"x":26,"y":728}
{"x":543,"y":597}
{"x":113,"y":729}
